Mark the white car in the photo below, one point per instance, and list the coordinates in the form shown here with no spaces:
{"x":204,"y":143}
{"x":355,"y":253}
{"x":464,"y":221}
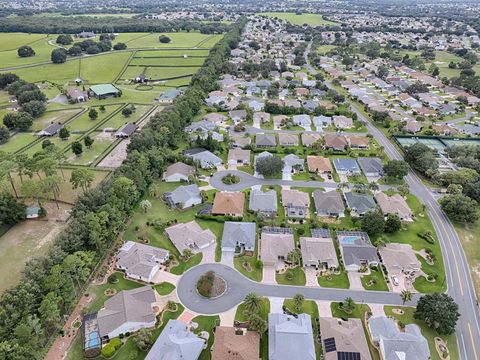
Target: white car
{"x":395,"y":280}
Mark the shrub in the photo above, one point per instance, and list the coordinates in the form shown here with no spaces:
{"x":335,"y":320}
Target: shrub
{"x":116,"y":343}
{"x":108,"y":350}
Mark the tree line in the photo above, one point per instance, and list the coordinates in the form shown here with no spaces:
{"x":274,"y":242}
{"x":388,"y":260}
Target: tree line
{"x":50,"y":286}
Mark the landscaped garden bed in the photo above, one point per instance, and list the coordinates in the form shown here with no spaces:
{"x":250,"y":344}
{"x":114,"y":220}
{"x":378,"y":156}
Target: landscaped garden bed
{"x":211,"y":285}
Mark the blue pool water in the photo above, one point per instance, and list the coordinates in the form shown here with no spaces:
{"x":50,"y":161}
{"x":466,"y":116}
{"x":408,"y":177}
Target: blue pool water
{"x":349,"y":240}
{"x":94,"y":340}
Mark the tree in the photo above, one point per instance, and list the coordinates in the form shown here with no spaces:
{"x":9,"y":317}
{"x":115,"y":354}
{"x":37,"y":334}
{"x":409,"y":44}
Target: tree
{"x":59,"y":56}
{"x":145,"y":205}
{"x":102,"y":108}
{"x":64,"y":134}
{"x":18,"y":120}
{"x":77,"y":148}
{"x":11,"y":211}
{"x":127,"y":112}
{"x":64,"y":39}
{"x":460,"y":208}
{"x":143,"y":339}
{"x":164,"y":39}
{"x":252,"y":303}
{"x":396,"y":169}
{"x":348,"y":305}
{"x":406,"y":296}
{"x":256,"y":323}
{"x":4,"y":135}
{"x":392,"y":224}
{"x":35,"y":108}
{"x":7,"y":79}
{"x":93,"y":114}
{"x":25,"y":51}
{"x":439,"y":312}
{"x":294,"y":256}
{"x":88,"y":141}
{"x":82,"y":178}
{"x":382,"y":72}
{"x":120,"y":46}
{"x":269,"y":165}
{"x":298,"y":300}
{"x":373,"y":223}
{"x":75,"y":51}
{"x":421,"y":158}
{"x":49,"y":310}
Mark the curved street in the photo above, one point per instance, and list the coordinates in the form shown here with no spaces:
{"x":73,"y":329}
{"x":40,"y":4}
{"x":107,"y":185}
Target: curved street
{"x":459,"y":280}
{"x":238,"y":286}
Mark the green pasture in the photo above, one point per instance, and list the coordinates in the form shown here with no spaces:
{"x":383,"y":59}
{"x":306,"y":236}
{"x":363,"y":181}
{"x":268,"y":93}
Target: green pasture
{"x":167,"y":61}
{"x":169,"y":53}
{"x":119,"y":120}
{"x":178,"y":40}
{"x":89,"y":155}
{"x":309,"y":19}
{"x":51,"y":117}
{"x":16,"y":142}
{"x":84,"y":123}
{"x":159,"y":73}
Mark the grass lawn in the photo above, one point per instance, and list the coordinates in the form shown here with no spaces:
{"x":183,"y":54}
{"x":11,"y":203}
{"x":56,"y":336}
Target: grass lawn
{"x":171,"y":53}
{"x":119,"y":120}
{"x":307,"y":176}
{"x":17,"y":141}
{"x":178,"y":40}
{"x":89,"y":155}
{"x":161,"y":73}
{"x":469,"y":236}
{"x":408,"y":235}
{"x":10,"y":42}
{"x":264,"y":310}
{"x":309,"y":19}
{"x":339,"y":281}
{"x":256,"y":274}
{"x":378,"y":280}
{"x":84,"y":123}
{"x":206,"y":323}
{"x":308,"y":307}
{"x":49,"y":117}
{"x":167,"y":61}
{"x":164,"y":288}
{"x":298,"y":277}
{"x":429,"y":334}
{"x":357,"y":313}
{"x":247,"y":169}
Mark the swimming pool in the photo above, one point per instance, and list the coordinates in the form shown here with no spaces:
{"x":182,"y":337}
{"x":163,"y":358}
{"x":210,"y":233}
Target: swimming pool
{"x":348,"y":240}
{"x":94,"y":340}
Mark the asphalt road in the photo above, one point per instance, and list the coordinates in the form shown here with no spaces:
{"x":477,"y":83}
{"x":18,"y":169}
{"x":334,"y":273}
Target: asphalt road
{"x":459,"y":280}
{"x":238,"y":286}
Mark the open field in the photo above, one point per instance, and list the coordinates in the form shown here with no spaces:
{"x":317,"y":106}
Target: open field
{"x":26,"y":240}
{"x":51,"y":117}
{"x":10,"y":42}
{"x":118,"y":120}
{"x":178,"y":40}
{"x":167,"y":61}
{"x":171,"y":53}
{"x":309,"y":19}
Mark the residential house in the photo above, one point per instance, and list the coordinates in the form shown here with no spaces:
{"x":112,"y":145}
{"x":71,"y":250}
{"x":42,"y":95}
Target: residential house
{"x":263,"y":202}
{"x":400,"y":259}
{"x":126,"y":131}
{"x":50,"y":130}
{"x":176,"y":342}
{"x":240,"y":140}
{"x":140,"y":261}
{"x":413,"y":126}
{"x":296,"y":203}
{"x":371,"y":167}
{"x":395,"y":205}
{"x":322,"y":121}
{"x":190,"y":236}
{"x":357,"y":250}
{"x":303,"y":121}
{"x":408,"y":343}
{"x":229,"y":203}
{"x":261,"y":117}
{"x":344,"y":339}
{"x":178,"y":172}
{"x":239,"y":156}
{"x":358,"y":141}
{"x":238,"y":115}
{"x":205,"y":158}
{"x":342,"y":122}
{"x":184,"y":196}
{"x":239,"y":236}
{"x":255,"y":105}
{"x":319,"y":164}
{"x":309,"y":139}
{"x":359,"y":204}
{"x":328,"y":203}
{"x":263,"y":140}
{"x":275,"y":246}
{"x":346,"y":166}
{"x":287,"y":139}
{"x":127,"y":312}
{"x":202,"y":126}
{"x":229,"y":344}
{"x":319,"y":251}
{"x":215,"y":118}
{"x":335,"y":142}
{"x":290,"y":337}
{"x":169,"y":95}
{"x":293,"y":164}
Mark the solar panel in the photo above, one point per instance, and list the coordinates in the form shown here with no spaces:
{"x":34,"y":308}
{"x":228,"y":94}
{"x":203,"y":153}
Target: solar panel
{"x":329,"y":345}
{"x":321,"y":233}
{"x":343,"y":355}
{"x":276,"y":230}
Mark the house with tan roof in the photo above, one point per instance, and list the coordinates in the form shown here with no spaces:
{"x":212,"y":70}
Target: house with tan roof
{"x":215,"y":118}
{"x":274,"y":247}
{"x":335,"y":142}
{"x":358,"y":142}
{"x":328,"y":203}
{"x":394,"y":204}
{"x":340,"y":337}
{"x":286,"y":139}
{"x":229,"y":203}
{"x":261,"y":117}
{"x":319,"y":251}
{"x":342,"y":122}
{"x":400,"y":259}
{"x":319,"y":165}
{"x":308,"y":139}
{"x":230,"y":345}
{"x":239,"y":156}
{"x":190,"y":236}
{"x":296,"y":203}
{"x":178,"y":172}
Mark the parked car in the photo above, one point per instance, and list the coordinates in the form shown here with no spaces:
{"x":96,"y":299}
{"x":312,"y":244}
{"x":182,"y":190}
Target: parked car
{"x":395,"y":280}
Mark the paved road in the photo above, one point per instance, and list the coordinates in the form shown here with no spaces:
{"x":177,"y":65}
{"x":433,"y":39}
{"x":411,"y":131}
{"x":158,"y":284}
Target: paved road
{"x":459,"y":280}
{"x":247,"y":181}
{"x":238,"y":286}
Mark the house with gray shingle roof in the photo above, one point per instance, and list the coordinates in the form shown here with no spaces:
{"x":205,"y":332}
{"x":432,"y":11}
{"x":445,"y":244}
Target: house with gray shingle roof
{"x":183,"y":197}
{"x":359,"y":204}
{"x":346,"y":166}
{"x":328,"y":203}
{"x":178,"y":172}
{"x":205,"y":158}
{"x":239,"y":235}
{"x":357,"y":250}
{"x":176,"y":342}
{"x":263,"y":202}
{"x":371,"y":167}
{"x":263,"y":140}
{"x":290,"y":337}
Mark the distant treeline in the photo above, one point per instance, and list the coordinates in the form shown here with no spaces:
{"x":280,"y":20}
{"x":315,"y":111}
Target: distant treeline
{"x":77,"y":24}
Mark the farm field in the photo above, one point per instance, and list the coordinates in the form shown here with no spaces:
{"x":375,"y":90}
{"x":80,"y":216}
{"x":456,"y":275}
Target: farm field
{"x":119,"y":120}
{"x":178,"y":40}
{"x":309,"y":19}
{"x":50,"y":117}
{"x":10,"y":42}
{"x":101,"y":143}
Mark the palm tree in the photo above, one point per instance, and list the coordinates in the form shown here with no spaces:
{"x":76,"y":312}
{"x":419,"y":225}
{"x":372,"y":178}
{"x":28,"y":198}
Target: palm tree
{"x":256,"y":323}
{"x":373,"y":186}
{"x":252,"y":303}
{"x":406,"y":295}
{"x":348,"y":305}
{"x":145,"y":205}
{"x":298,"y":300}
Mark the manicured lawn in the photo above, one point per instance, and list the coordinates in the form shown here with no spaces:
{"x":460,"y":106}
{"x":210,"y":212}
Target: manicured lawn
{"x":166,"y":61}
{"x":164,"y":288}
{"x":178,"y":40}
{"x":160,"y":73}
{"x":17,"y":141}
{"x":264,"y":310}
{"x":377,"y":279}
{"x":297,"y":279}
{"x":206,"y":323}
{"x":118,"y":120}
{"x":309,"y":19}
{"x":429,"y":334}
{"x":185,"y":265}
{"x":247,"y":169}
{"x":10,"y":42}
{"x":84,"y":123}
{"x":256,"y":274}
{"x":306,"y":176}
{"x":171,"y":53}
{"x":339,"y":281}
{"x":469,"y":236}
{"x":53,"y":117}
{"x":89,"y":155}
{"x":61,"y":144}
{"x":408,"y":235}
{"x":308,"y":307}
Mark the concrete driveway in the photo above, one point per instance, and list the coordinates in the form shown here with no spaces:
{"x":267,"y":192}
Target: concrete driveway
{"x":209,"y":254}
{"x":269,"y":275}
{"x":276,"y":305}
{"x":311,"y":275}
{"x":227,"y":258}
{"x":355,"y":282}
